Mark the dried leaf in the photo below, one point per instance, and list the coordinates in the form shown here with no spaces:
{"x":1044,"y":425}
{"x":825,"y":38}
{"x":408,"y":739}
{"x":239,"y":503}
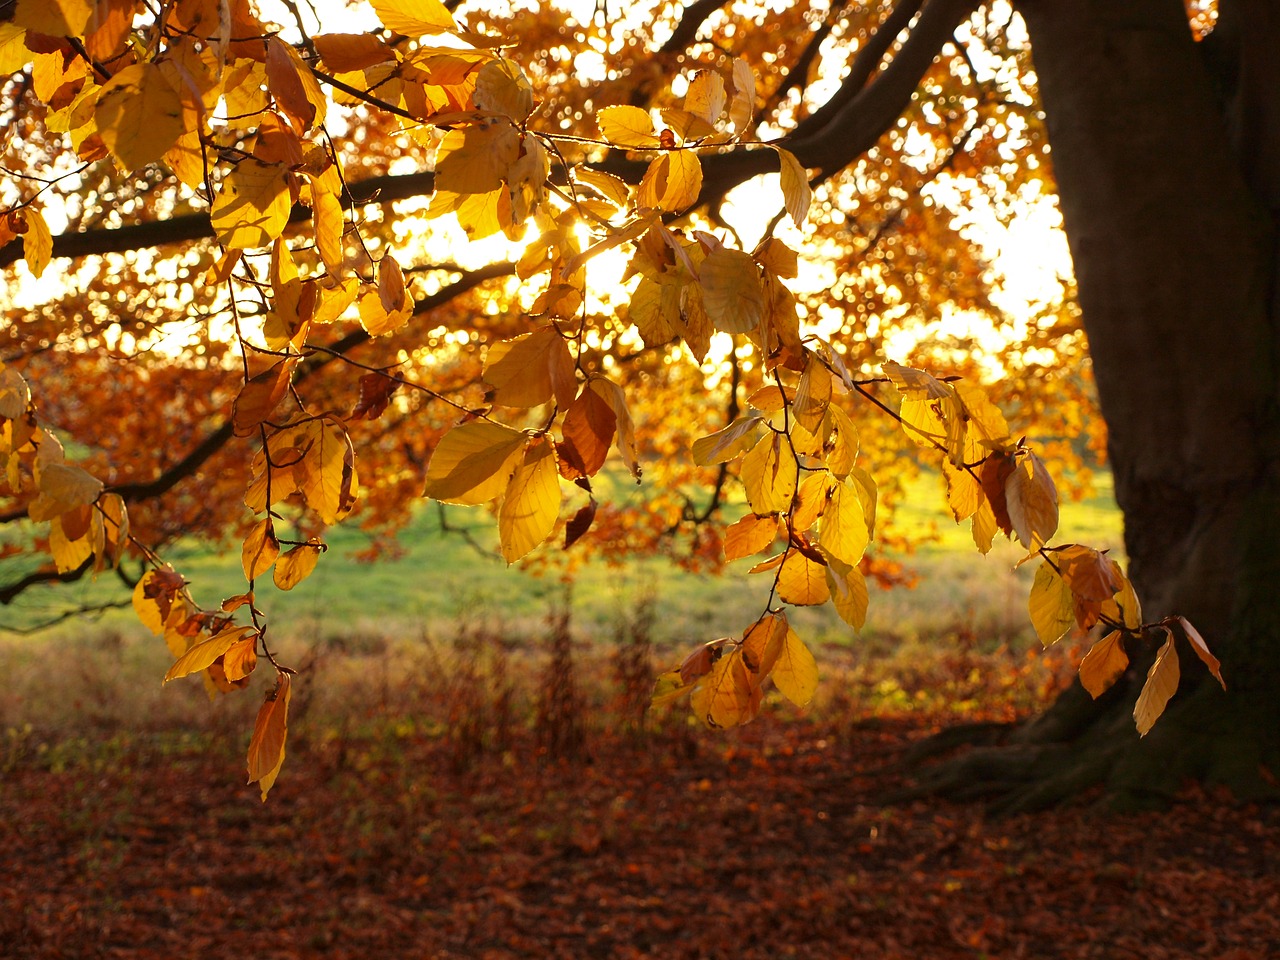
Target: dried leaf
{"x":473,"y":462}
{"x":532,"y":502}
{"x":139,"y":115}
{"x":796,"y":192}
{"x":1202,"y":650}
{"x":749,"y":535}
{"x":1104,"y":664}
{"x":259,"y":550}
{"x":296,"y":565}
{"x":1051,"y":605}
{"x":1161,"y":685}
{"x":251,"y":206}
{"x":796,"y":672}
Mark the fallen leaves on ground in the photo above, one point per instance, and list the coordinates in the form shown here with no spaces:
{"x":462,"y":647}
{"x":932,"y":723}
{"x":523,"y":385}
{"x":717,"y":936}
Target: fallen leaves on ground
{"x":763,"y":842}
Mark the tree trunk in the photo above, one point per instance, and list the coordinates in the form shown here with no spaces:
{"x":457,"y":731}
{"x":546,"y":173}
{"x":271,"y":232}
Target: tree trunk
{"x":1168,"y":180}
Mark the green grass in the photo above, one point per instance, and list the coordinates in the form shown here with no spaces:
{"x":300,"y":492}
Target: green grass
{"x":441,"y":580}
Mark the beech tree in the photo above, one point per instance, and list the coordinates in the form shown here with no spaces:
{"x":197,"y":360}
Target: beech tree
{"x":269,"y":319}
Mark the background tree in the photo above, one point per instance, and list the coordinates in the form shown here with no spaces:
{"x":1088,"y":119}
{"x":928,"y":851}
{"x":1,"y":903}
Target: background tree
{"x":927,"y":89}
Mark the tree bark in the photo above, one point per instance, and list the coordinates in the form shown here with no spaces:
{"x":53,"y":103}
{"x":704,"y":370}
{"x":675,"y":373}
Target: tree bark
{"x":1168,"y":186}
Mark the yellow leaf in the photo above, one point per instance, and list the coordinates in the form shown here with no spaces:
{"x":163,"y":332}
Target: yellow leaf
{"x":769,"y":475}
{"x":201,"y":654}
{"x":796,"y":193}
{"x":520,"y":369}
{"x":813,"y":394}
{"x":731,"y":292}
{"x":613,"y":189}
{"x":796,"y":672}
{"x":146,"y":607}
{"x":241,"y":658}
{"x":811,"y":499}
{"x":984,"y":526}
{"x":266,"y":746}
{"x":296,"y":565}
{"x":328,"y":479}
{"x":113,"y":518}
{"x":762,"y":644}
{"x":749,"y":535}
{"x":68,"y":486}
{"x":532,"y":503}
{"x":987,"y":430}
{"x":1032,"y":500}
{"x":672,"y":182}
{"x":415,"y":18}
{"x":68,"y":552}
{"x":1051,"y":605}
{"x":14,"y":55}
{"x":844,"y":452}
{"x":844,"y":524}
{"x":139,"y":116}
{"x":744,"y":95}
{"x":347,"y":52}
{"x":848,"y":591}
{"x":1162,"y":683}
{"x":726,"y":697}
{"x":724,"y":445}
{"x":964,"y":491}
{"x":624,"y":439}
{"x":259,"y":550}
{"x":626,"y":126}
{"x":803,"y":581}
{"x":37,"y":242}
{"x":376,"y":319}
{"x":55,"y":18}
{"x":502,"y":87}
{"x":473,"y":462}
{"x":1103,"y":664}
{"x":251,"y":207}
{"x":475,"y":160}
{"x":706,"y":96}
{"x":297,"y":92}
{"x":1124,"y":606}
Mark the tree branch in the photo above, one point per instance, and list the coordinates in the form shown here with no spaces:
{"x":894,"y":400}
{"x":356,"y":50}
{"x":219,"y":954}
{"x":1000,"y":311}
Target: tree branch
{"x":196,"y":226}
{"x":691,"y":21}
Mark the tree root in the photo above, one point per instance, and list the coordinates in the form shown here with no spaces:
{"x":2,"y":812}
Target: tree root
{"x":1087,"y":751}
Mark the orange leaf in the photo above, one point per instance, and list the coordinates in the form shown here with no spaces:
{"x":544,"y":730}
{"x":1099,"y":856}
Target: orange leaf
{"x":259,"y":396}
{"x":1103,"y":664}
{"x":749,"y":535}
{"x":589,"y":425}
{"x":1162,"y":683}
{"x":266,"y":747}
{"x":1202,"y":650}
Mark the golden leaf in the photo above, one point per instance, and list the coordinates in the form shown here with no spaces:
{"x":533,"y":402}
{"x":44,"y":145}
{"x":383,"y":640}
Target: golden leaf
{"x":68,"y":552}
{"x":415,"y":18}
{"x":202,"y":654}
{"x":520,"y":369}
{"x":328,"y":479}
{"x":844,"y":452}
{"x":473,"y":462}
{"x":55,"y":18}
{"x":749,"y":535}
{"x":626,"y":126}
{"x":796,"y":192}
{"x":672,"y":182}
{"x":848,"y":591}
{"x":1103,"y":665}
{"x":625,"y":438}
{"x":796,"y":672}
{"x":724,"y":445}
{"x":1032,"y":501}
{"x":241,"y":658}
{"x":502,"y":87}
{"x":1161,"y":684}
{"x":296,"y":565}
{"x":251,"y":207}
{"x":139,"y":116}
{"x":347,"y":52}
{"x":532,"y":503}
{"x":14,"y":55}
{"x":813,"y":394}
{"x":769,"y":475}
{"x":731,"y":292}
{"x":1051,"y":605}
{"x":803,"y":581}
{"x":259,"y":550}
{"x":294,"y":86}
{"x":811,"y":499}
{"x":742,"y":107}
{"x":475,"y":160}
{"x":266,"y":746}
{"x":844,"y":531}
{"x":726,"y":697}
{"x":37,"y":242}
{"x":1124,"y":606}
{"x":984,"y":526}
{"x":762,"y":644}
{"x":706,"y":96}
{"x":67,"y":486}
{"x":964,"y":492}
{"x":259,"y":396}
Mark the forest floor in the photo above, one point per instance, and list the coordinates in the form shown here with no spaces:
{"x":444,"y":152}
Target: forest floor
{"x":400,"y":838}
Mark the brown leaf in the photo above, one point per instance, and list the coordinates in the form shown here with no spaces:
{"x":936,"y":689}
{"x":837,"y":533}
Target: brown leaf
{"x":376,"y":390}
{"x":579,"y":523}
{"x":1104,"y":664}
{"x":589,"y":425}
{"x":259,"y":396}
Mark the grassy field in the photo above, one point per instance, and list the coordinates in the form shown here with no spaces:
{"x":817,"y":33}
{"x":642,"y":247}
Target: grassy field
{"x":393,"y":619}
